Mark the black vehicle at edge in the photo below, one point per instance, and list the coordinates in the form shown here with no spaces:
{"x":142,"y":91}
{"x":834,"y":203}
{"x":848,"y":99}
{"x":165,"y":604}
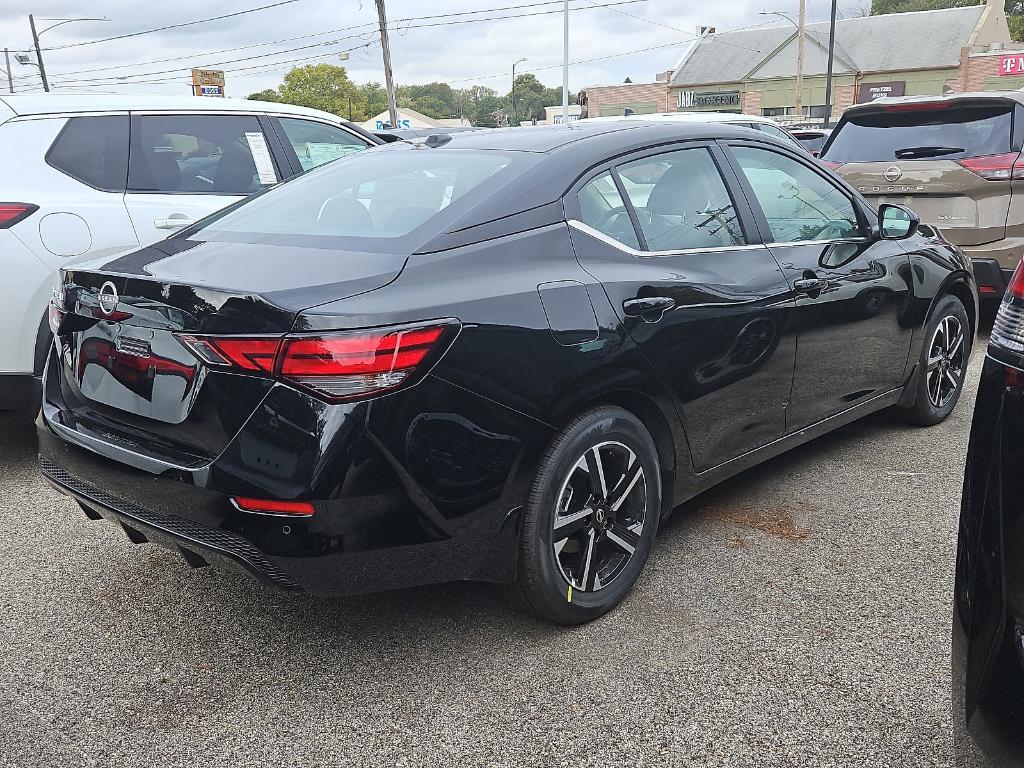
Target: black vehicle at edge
{"x":988,"y":596}
{"x":500,"y":356}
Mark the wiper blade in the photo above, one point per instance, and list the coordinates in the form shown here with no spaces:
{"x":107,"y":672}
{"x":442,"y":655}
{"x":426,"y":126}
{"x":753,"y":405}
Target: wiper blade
{"x":908,"y":152}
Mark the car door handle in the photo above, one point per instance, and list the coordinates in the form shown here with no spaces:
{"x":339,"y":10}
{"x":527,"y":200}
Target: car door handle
{"x":174,"y":221}
{"x":807,"y":285}
{"x":649,"y":308}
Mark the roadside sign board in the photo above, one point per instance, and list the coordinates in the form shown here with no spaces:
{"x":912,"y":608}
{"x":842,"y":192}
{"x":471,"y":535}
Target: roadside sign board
{"x":871,"y":91}
{"x":1011,"y":65}
{"x":208,"y":82}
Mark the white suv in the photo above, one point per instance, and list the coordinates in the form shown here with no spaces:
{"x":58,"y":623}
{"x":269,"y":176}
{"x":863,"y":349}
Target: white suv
{"x":87,"y":176}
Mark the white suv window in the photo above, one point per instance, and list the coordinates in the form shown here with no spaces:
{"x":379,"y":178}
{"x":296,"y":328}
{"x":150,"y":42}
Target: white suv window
{"x":94,"y":151}
{"x":318,"y":143}
{"x":205,"y":154}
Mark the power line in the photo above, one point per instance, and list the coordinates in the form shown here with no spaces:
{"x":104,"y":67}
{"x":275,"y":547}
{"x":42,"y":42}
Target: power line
{"x":114,"y":80}
{"x":171,"y":26}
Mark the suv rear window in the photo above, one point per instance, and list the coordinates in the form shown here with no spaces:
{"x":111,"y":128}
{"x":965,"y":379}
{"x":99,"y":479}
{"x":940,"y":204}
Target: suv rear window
{"x":947,"y":133}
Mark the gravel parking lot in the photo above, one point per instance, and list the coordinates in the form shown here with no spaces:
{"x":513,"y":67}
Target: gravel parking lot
{"x":797,"y":615}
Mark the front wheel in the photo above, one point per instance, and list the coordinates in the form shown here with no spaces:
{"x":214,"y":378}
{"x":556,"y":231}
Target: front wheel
{"x":590,"y":518}
{"x":943,"y":365}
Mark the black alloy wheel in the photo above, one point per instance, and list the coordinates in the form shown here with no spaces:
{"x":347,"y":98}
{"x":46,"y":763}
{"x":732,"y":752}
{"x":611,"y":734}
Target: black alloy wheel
{"x":590,"y":519}
{"x":943,"y":364}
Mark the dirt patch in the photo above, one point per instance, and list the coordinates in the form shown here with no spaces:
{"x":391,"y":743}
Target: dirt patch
{"x":775,"y":521}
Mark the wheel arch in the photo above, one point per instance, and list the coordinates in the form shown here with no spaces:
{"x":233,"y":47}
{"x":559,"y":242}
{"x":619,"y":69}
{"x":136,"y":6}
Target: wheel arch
{"x":958,"y":284}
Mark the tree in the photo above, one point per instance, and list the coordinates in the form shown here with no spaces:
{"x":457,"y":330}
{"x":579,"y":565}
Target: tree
{"x":268,"y":95}
{"x":320,"y":86}
{"x":628,"y":80}
{"x":376,"y":97}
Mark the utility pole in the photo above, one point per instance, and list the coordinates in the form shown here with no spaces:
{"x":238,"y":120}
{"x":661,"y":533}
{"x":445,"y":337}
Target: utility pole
{"x":800,"y":34}
{"x":386,"y":49}
{"x":39,"y":53}
{"x":565,"y":66}
{"x":831,"y":57}
{"x":7,"y":63}
{"x":512,"y":93}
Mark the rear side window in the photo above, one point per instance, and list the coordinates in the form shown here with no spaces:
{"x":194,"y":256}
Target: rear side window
{"x":943,"y":132}
{"x":318,"y":143}
{"x":207,"y":154}
{"x":93,"y":150}
{"x":776,"y":132}
{"x":682,"y":201}
{"x":602,"y":208}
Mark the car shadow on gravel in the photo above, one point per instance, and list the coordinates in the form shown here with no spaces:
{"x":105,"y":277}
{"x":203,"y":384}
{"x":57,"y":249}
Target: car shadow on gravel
{"x":17,"y":438}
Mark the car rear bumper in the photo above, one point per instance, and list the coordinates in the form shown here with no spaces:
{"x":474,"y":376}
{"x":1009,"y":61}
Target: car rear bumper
{"x":423,"y":487}
{"x":994,"y":264}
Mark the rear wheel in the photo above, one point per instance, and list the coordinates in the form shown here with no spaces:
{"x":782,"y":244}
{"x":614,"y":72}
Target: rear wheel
{"x":943,"y":364}
{"x":590,"y":519}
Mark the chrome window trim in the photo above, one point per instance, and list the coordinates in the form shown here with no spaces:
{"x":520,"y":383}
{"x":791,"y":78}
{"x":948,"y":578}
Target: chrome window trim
{"x":607,"y":240}
{"x":854,"y":240}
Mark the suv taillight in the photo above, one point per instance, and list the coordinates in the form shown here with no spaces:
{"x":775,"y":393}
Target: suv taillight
{"x":12,"y":213}
{"x":995,"y":167}
{"x":337,"y":366}
{"x":1008,"y":329}
{"x":832,"y":164}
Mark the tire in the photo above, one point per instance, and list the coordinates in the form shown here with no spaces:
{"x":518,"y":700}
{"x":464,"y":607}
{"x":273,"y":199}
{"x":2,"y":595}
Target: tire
{"x":937,"y":395}
{"x":560,"y":586}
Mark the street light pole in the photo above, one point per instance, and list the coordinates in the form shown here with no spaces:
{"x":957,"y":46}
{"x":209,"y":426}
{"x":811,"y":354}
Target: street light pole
{"x":512,"y":95}
{"x":831,"y":57}
{"x":39,"y":53}
{"x":565,"y":66}
{"x":800,"y":34}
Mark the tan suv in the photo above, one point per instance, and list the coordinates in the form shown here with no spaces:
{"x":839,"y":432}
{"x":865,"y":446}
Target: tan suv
{"x":955,"y":160}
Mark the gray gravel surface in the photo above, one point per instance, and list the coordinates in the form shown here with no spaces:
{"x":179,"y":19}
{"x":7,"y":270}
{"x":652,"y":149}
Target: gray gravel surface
{"x":796,"y":615}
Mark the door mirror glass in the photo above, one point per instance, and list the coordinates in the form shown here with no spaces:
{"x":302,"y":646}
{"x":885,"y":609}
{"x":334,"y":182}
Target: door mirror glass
{"x":896,"y":222}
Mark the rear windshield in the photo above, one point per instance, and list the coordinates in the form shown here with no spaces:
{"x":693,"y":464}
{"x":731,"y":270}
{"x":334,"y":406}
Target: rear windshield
{"x":947,"y":133}
{"x":812,"y":143}
{"x":385,"y":200}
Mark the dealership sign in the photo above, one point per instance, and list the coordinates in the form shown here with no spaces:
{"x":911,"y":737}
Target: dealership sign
{"x":1011,"y":65}
{"x":208,"y":82}
{"x":716,"y":99}
{"x":871,"y":91}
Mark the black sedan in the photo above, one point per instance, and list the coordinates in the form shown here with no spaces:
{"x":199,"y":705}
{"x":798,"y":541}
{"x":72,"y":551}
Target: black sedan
{"x":501,"y":356}
{"x":988,"y":598}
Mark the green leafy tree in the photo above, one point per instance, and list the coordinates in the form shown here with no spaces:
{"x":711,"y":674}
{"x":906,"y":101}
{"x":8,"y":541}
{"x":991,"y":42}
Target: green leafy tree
{"x":376,"y":97}
{"x":320,"y":86}
{"x":268,"y":95}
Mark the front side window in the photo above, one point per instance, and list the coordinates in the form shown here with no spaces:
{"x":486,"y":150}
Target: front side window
{"x":778,"y":133}
{"x":93,"y":150}
{"x":798,"y":203}
{"x":682,"y":201}
{"x":604,"y":210}
{"x":318,"y":143}
{"x":211,"y":154}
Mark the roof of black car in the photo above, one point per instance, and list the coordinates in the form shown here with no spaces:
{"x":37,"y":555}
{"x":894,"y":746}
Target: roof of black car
{"x":548,"y":138}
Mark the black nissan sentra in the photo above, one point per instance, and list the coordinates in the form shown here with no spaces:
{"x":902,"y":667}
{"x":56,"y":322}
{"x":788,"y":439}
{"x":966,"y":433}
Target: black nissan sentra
{"x":988,"y":599}
{"x":501,"y":356}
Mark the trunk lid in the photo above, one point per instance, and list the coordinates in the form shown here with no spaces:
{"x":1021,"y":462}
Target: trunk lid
{"x":968,"y":209}
{"x":122,"y":350}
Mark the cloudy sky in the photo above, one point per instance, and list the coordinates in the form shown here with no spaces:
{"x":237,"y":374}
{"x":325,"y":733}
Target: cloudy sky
{"x":463,"y":42}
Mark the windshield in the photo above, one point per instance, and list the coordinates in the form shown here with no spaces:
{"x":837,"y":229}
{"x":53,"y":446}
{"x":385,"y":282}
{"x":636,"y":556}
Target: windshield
{"x":381,"y":200}
{"x":950,"y":132}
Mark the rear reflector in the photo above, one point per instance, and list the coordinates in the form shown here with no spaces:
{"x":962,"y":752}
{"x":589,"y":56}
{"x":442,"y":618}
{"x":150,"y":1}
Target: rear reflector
{"x":12,"y":213}
{"x":987,"y":289}
{"x":995,"y":167}
{"x":273,"y":507}
{"x":338,"y":366}
{"x":1008,"y":328}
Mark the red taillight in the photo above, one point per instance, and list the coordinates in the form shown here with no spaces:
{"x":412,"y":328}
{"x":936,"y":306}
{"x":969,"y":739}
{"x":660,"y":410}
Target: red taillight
{"x":273,"y":507}
{"x":1016,"y":286}
{"x":987,"y":289}
{"x":349,"y":365}
{"x":339,"y":366}
{"x":1008,"y":328}
{"x":922,"y":105}
{"x":831,"y":164}
{"x":995,"y":167}
{"x":12,"y":213}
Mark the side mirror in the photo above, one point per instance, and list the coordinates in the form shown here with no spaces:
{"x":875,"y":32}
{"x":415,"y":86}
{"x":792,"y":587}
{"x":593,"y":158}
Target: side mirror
{"x":896,"y":222}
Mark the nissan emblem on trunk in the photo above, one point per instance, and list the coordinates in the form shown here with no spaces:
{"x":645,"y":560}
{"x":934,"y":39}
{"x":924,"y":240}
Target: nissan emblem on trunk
{"x":893,"y":173}
{"x":108,"y":298}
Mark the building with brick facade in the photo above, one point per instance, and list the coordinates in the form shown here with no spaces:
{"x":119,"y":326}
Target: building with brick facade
{"x":754,"y":70}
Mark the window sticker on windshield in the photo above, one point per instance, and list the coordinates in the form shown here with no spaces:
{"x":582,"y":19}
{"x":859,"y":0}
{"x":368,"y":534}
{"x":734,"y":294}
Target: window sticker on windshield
{"x":261,"y":157}
{"x":319,"y":154}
